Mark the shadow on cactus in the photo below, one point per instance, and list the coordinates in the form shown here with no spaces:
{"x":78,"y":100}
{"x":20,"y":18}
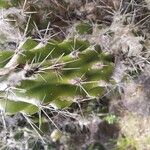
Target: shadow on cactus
{"x":52,"y":74}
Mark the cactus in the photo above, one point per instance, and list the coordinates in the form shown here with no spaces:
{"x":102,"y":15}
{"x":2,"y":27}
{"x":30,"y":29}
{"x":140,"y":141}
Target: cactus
{"x":51,"y":73}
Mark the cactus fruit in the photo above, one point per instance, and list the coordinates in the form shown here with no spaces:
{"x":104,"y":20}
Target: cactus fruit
{"x":51,"y":73}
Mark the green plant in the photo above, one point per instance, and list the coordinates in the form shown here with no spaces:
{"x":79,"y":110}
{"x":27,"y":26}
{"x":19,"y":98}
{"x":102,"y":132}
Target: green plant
{"x":84,"y":28}
{"x":111,"y":119}
{"x":57,"y":73}
{"x":126,"y":143}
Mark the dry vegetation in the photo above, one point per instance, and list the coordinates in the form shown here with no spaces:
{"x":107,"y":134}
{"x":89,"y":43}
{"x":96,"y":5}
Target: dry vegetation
{"x":119,"y":119}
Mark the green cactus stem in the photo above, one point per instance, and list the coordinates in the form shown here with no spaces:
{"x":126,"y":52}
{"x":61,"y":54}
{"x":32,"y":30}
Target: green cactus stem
{"x":54,"y":73}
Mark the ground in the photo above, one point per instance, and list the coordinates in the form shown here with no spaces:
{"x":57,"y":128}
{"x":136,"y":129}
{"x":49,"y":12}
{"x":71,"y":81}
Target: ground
{"x":118,"y":120}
